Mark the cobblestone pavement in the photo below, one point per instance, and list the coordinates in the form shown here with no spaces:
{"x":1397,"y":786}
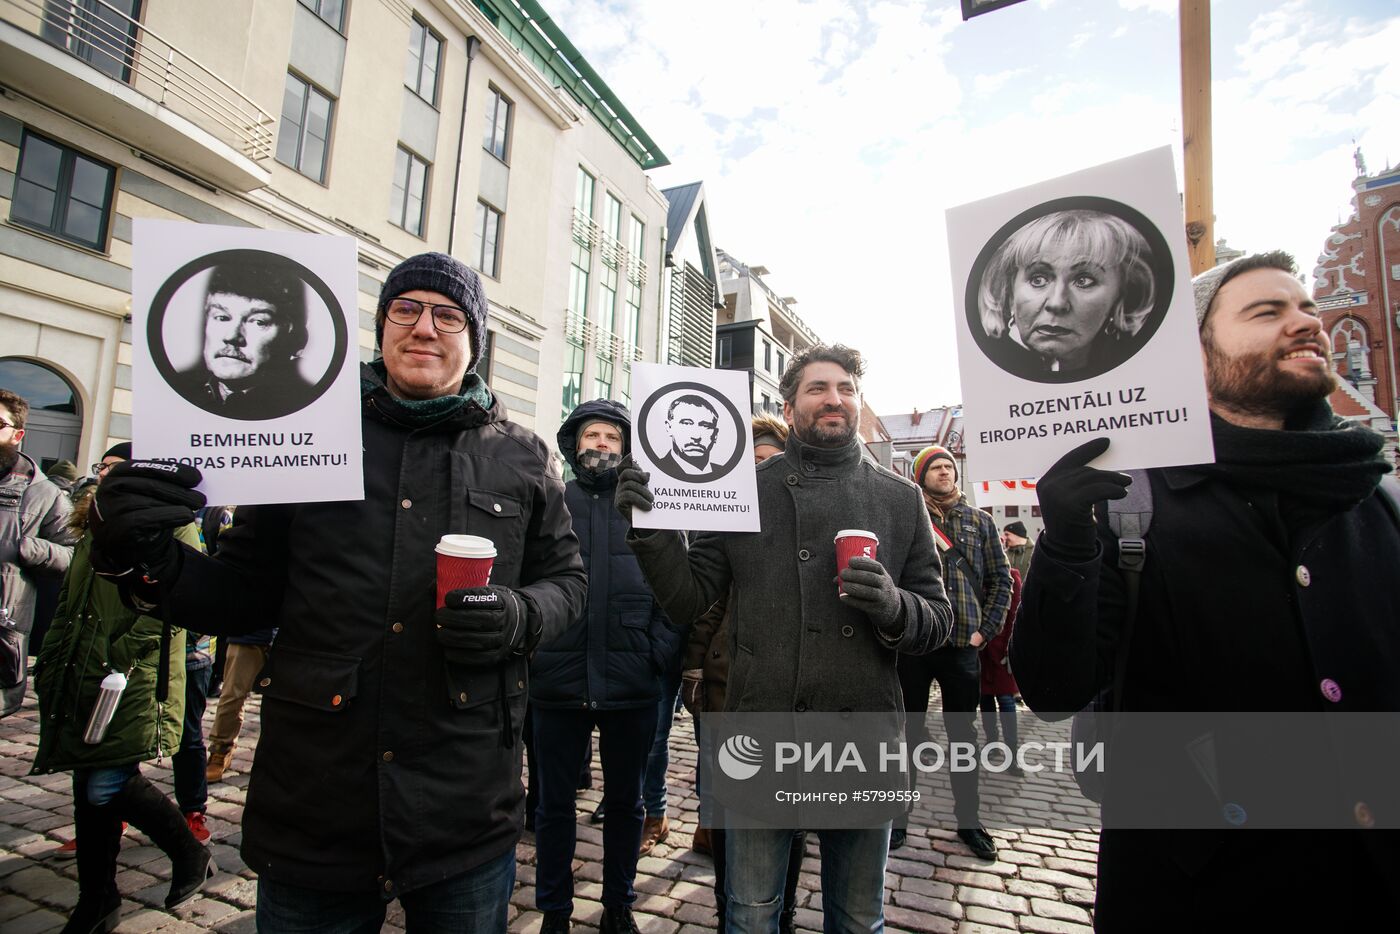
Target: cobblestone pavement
{"x":1042,"y":881}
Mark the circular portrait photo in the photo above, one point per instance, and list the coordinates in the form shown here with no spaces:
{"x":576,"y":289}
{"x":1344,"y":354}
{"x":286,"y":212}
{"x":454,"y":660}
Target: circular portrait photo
{"x":1069,"y":289}
{"x":692,"y":433}
{"x":247,"y":334}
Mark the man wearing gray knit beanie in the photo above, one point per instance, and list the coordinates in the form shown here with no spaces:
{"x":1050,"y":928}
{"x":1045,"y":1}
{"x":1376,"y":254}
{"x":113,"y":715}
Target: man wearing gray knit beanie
{"x":389,"y":762}
{"x":1263,"y":584}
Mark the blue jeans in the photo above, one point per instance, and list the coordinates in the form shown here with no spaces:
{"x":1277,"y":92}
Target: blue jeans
{"x":654,"y":786}
{"x":100,"y":786}
{"x":473,"y":903}
{"x":853,"y":879}
{"x":1003,"y":707}
{"x":191,"y":788}
{"x":561,"y":743}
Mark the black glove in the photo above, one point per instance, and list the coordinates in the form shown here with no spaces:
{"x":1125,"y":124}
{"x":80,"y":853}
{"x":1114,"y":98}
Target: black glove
{"x":868,"y":587}
{"x":632,"y":490}
{"x":483,"y":626}
{"x":1068,"y":492}
{"x":135,"y":512}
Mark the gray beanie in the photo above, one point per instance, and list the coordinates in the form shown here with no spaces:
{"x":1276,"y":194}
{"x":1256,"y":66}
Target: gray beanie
{"x":438,"y":272}
{"x":1208,"y":283}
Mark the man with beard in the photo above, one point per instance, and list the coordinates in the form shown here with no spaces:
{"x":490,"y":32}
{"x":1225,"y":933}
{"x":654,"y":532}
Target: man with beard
{"x":978,"y":580}
{"x":692,"y":424}
{"x":797,"y":644}
{"x":1267,"y":585}
{"x":35,"y":542}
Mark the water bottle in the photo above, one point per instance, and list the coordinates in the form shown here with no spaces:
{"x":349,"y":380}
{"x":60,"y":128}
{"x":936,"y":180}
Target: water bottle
{"x":108,"y":697}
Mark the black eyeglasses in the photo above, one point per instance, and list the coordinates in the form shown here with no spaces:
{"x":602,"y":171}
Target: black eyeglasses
{"x":4,"y":424}
{"x":405,"y":312}
{"x":99,"y":468}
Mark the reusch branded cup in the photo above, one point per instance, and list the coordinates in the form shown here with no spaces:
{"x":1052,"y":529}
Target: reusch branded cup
{"x":463,"y":561}
{"x":849,"y":543}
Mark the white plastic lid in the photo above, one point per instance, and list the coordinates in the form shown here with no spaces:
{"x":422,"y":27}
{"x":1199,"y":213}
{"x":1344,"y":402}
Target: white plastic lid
{"x":466,"y":546}
{"x":857,"y":533}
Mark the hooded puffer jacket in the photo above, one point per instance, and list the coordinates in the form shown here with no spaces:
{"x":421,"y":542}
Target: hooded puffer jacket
{"x":613,"y":656}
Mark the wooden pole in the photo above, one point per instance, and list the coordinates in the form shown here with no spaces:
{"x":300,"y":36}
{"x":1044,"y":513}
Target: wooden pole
{"x":1195,"y":133}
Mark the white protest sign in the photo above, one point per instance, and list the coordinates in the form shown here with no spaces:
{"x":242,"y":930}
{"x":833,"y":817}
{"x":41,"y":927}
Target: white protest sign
{"x":1003,"y":493}
{"x":245,"y":360}
{"x":1075,"y":319}
{"x":691,"y":429}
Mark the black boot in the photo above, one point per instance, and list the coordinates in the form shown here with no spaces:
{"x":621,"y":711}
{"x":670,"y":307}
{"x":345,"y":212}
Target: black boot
{"x":98,"y":831}
{"x":555,"y":922}
{"x":618,"y":920}
{"x":155,"y":815}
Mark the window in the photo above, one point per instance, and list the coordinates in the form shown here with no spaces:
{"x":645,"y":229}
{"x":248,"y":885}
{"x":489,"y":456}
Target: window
{"x":624,"y":392}
{"x":409,"y":193}
{"x":767,"y":402}
{"x":573,"y":375}
{"x":767,"y":357}
{"x":724,"y":351}
{"x":62,"y":192}
{"x":486,"y":240}
{"x":1013,"y":512}
{"x":304,"y":133}
{"x":632,"y":305}
{"x":497,"y":139}
{"x":607,"y":288}
{"x":583,"y":193}
{"x":424,"y":54}
{"x":99,"y":32}
{"x":782,"y":363}
{"x":602,"y":379}
{"x":483,"y":364}
{"x":332,"y":11}
{"x":1035,"y":512}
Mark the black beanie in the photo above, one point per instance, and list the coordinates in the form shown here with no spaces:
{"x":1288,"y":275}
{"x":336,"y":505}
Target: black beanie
{"x":1016,"y":528}
{"x":121,"y":449}
{"x":438,"y":272}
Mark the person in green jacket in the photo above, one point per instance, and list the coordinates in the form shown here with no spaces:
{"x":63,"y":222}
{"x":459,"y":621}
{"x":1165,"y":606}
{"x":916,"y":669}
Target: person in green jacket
{"x":94,"y":634}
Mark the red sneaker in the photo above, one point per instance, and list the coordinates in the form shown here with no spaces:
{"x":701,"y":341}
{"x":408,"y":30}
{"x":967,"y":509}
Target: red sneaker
{"x":195,"y":819}
{"x":68,"y":850}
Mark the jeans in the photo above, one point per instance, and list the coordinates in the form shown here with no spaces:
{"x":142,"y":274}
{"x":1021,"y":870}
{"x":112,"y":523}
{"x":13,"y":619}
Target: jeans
{"x":100,"y":786}
{"x":853,"y":879}
{"x":1006,"y":704}
{"x":474,"y":902}
{"x":191,"y":789}
{"x":654,"y":787}
{"x":561,"y":743}
{"x":959,"y":675}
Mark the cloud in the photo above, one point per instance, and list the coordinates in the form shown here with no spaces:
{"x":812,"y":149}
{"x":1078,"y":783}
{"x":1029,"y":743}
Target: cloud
{"x":986,"y":85}
{"x":1168,"y":7}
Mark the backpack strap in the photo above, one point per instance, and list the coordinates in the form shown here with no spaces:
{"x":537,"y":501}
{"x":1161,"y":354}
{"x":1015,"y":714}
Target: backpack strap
{"x":1129,"y":518}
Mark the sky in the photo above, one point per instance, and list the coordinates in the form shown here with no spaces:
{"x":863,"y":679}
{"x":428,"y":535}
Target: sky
{"x":832,"y":135}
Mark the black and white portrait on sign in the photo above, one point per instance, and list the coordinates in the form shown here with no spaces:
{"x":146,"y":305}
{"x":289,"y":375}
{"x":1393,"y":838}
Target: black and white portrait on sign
{"x":247,"y":334}
{"x":243,"y":359}
{"x":691,"y":433}
{"x":1069,"y":289}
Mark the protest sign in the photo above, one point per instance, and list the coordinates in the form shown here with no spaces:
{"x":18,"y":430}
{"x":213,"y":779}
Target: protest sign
{"x":691,"y":429}
{"x":1075,"y":320}
{"x":1003,"y":493}
{"x":244,"y":360}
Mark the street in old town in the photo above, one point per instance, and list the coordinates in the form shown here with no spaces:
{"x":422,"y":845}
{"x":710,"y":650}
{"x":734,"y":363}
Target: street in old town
{"x":1042,"y":880}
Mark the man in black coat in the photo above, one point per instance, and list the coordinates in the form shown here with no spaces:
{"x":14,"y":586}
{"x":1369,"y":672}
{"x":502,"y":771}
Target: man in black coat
{"x":389,"y":760}
{"x":1267,"y":587}
{"x":605,"y":671}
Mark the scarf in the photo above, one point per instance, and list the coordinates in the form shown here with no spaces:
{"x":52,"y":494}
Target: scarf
{"x":420,"y":413}
{"x":1321,"y":463}
{"x":938,"y":506}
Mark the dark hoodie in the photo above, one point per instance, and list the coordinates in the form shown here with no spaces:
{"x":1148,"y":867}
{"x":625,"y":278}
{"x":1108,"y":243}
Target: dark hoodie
{"x":613,"y":656}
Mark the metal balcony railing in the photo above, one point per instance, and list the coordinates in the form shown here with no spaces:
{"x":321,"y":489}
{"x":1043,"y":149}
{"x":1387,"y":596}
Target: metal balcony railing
{"x":587,"y":232}
{"x":121,"y":48}
{"x":607,"y":343}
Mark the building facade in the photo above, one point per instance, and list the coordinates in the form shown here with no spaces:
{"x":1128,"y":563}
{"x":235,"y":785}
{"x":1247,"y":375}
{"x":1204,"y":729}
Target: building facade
{"x":410,"y":126}
{"x":757,"y":331}
{"x":1356,"y":285}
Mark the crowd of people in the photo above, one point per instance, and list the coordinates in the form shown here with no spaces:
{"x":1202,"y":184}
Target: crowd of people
{"x":393,"y":728}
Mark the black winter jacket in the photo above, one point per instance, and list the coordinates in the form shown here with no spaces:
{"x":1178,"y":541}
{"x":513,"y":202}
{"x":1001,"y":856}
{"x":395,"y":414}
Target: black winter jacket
{"x":381,"y":766}
{"x":615,"y":653}
{"x":1237,"y":612}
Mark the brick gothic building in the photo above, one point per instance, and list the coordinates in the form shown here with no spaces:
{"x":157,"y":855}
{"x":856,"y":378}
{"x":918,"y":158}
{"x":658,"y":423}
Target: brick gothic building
{"x":1357,"y":287}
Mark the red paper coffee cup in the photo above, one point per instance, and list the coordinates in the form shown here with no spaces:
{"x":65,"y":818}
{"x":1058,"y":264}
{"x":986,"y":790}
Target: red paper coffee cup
{"x":852,"y":542}
{"x":463,"y":561}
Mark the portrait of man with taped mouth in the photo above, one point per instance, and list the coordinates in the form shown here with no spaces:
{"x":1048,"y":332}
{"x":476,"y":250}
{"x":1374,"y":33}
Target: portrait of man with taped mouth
{"x":252,"y":333}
